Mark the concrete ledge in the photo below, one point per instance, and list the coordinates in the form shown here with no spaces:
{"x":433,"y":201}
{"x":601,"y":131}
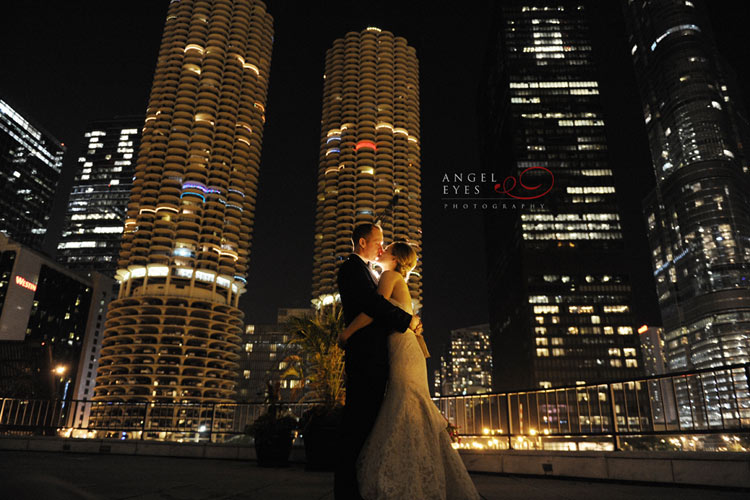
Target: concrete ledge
{"x":724,"y":469}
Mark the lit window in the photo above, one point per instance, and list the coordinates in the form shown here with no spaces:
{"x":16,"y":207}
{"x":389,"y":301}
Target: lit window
{"x":546,"y":309}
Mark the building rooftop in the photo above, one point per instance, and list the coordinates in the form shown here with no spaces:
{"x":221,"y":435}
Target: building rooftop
{"x":64,"y":476}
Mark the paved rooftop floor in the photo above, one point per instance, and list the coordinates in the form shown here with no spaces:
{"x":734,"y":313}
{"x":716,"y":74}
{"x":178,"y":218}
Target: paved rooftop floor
{"x":64,"y":476}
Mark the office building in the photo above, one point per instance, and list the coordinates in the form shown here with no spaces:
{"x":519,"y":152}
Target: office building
{"x":560,"y":290}
{"x":51,"y":323}
{"x":265,"y":359}
{"x":99,"y":197}
{"x":466,"y":365}
{"x":698,"y":215}
{"x":30,"y":165}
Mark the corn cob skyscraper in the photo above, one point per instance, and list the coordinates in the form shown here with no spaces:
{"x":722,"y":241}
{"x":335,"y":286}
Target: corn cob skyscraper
{"x":369,"y":166}
{"x":173,"y":333}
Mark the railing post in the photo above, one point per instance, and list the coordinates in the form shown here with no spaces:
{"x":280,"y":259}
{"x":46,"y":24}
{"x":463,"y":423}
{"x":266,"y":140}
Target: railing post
{"x":510,"y":422}
{"x":213,"y":419}
{"x":613,"y":416}
{"x":747,"y":393}
{"x":143,"y":425}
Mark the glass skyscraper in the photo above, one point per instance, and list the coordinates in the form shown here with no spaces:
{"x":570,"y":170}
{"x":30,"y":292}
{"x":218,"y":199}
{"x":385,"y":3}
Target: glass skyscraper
{"x":30,"y":165}
{"x":560,"y":293}
{"x":466,"y":365}
{"x":698,"y":215}
{"x":98,"y":201}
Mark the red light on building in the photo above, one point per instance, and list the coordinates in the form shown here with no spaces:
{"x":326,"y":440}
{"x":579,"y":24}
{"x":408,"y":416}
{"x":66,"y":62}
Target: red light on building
{"x":25,"y":283}
{"x":643,"y":329}
{"x":366,"y":144}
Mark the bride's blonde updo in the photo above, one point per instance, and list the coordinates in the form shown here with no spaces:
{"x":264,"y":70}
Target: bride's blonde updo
{"x":406,"y":258}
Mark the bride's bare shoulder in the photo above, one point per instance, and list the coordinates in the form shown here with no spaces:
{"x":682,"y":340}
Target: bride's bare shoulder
{"x":391,"y":275}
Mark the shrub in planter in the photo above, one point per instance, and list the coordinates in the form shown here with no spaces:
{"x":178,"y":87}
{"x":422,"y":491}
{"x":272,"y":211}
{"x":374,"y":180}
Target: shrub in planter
{"x":320,"y":365}
{"x":273,"y":432}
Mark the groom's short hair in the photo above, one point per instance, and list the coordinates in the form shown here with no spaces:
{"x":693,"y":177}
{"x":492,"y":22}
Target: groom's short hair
{"x":362,"y":231}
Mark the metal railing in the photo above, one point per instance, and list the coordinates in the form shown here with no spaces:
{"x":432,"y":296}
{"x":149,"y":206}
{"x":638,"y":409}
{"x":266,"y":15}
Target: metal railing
{"x":705,"y":409}
{"x":204,"y":422}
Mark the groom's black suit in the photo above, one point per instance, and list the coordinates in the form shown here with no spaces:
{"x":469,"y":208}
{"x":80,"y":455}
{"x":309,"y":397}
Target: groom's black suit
{"x":366,"y":362}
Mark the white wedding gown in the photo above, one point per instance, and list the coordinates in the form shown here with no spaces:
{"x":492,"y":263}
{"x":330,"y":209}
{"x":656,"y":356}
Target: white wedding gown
{"x":408,"y":454}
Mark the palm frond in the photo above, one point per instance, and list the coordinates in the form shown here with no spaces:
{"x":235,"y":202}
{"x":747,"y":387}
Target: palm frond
{"x":320,"y":360}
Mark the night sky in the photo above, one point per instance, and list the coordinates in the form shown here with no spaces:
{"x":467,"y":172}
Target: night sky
{"x":65,"y":64}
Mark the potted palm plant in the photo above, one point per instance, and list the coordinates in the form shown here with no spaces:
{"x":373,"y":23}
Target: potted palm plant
{"x":319,"y":363}
{"x":273,"y":431}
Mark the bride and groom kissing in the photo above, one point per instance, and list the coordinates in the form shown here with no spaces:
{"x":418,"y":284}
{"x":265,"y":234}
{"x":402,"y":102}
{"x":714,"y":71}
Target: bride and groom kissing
{"x":393,"y":442}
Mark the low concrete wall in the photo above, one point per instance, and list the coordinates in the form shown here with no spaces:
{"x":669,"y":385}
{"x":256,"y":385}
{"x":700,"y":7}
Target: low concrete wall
{"x":135,"y":447}
{"x":725,"y":469}
{"x":689,"y":468}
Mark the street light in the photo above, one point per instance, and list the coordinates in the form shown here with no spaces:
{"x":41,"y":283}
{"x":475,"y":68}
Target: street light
{"x":60,"y":370}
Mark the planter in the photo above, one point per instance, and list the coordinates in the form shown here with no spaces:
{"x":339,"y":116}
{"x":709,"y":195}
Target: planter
{"x":273,"y":450}
{"x":320,"y":436}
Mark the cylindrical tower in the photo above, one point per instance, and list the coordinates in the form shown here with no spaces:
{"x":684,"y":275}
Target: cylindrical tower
{"x":369,"y":166}
{"x":173,"y":333}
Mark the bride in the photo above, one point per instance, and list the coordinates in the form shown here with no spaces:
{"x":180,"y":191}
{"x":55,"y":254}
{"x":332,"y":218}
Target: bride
{"x":408,"y":454}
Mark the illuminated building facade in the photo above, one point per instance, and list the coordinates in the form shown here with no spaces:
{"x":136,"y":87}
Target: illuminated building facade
{"x":652,"y":350}
{"x":266,"y":347}
{"x":99,"y":198}
{"x":51,"y":323}
{"x":174,"y":332}
{"x":466,"y":366}
{"x":698,"y":216}
{"x":654,"y":363}
{"x":560,"y":294}
{"x":369,"y":166}
{"x":30,"y":164}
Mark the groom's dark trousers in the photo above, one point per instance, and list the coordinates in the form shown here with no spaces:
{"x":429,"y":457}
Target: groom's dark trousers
{"x":366,"y":364}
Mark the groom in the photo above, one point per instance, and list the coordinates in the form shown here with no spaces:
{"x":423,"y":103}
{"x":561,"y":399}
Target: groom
{"x":366,"y":352}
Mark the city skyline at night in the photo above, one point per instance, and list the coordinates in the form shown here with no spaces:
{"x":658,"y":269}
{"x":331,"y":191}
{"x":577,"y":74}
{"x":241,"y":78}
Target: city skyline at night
{"x":180,"y":184}
{"x":453,"y":242}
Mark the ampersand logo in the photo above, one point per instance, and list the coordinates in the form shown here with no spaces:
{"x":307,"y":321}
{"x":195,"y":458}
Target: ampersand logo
{"x":510,"y":184}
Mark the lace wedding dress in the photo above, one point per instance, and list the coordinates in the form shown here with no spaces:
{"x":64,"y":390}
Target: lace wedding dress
{"x":408,"y":454}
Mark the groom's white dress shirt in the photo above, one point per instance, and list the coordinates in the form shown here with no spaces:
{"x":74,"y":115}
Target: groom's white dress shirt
{"x":374,"y":273}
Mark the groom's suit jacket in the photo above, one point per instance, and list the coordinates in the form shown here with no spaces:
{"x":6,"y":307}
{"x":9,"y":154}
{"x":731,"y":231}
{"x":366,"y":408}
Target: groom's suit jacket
{"x":367,"y":349}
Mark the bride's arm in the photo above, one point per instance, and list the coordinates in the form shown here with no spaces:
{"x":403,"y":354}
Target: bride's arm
{"x":385,"y":288}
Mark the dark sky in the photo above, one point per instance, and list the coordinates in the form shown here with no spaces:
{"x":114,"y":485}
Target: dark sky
{"x":65,"y":64}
